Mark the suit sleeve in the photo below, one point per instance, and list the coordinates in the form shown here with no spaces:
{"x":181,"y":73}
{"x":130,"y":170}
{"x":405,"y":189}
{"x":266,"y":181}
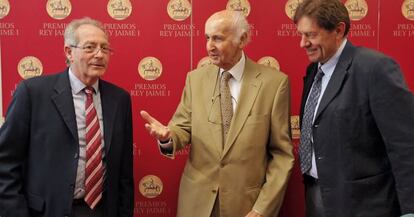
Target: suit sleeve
{"x":392,"y":104}
{"x":180,"y":123}
{"x":126,"y":188}
{"x":281,"y":158}
{"x":14,"y":140}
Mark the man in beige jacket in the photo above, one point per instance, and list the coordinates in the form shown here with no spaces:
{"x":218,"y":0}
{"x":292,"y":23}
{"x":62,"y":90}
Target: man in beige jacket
{"x":241,"y":153}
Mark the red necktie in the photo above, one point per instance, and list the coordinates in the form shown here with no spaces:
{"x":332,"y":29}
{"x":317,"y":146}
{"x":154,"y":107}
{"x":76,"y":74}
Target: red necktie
{"x":94,"y":168}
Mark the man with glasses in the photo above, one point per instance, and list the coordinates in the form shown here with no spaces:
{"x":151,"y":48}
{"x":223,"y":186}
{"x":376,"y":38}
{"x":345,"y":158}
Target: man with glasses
{"x":235,"y":114}
{"x":66,"y":145}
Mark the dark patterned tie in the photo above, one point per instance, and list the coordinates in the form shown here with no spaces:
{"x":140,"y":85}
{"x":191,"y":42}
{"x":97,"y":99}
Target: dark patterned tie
{"x":94,"y":167}
{"x":305,"y":147}
{"x":226,"y":103}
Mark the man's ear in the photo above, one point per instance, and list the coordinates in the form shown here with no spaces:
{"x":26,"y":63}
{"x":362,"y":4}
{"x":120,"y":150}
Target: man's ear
{"x":68,"y":53}
{"x":243,"y":40}
{"x":340,"y":29}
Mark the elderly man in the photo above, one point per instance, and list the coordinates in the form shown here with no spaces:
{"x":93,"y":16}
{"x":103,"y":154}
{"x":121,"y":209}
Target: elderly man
{"x":66,"y":145}
{"x":356,"y":147}
{"x":235,"y":114}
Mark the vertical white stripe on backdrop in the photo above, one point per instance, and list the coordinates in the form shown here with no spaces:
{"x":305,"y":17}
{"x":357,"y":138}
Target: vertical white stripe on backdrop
{"x":1,"y":92}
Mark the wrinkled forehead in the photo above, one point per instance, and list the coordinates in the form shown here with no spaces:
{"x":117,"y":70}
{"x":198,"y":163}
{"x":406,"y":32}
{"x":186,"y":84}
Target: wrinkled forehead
{"x":91,"y":33}
{"x":218,"y":25}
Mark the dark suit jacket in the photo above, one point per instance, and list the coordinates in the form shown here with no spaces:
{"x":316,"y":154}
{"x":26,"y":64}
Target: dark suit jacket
{"x":39,"y":150}
{"x":363,"y":137}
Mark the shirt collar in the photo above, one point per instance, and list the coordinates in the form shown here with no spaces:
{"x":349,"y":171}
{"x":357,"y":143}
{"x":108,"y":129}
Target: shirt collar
{"x":77,"y":85}
{"x":237,"y":70}
{"x":329,"y":66}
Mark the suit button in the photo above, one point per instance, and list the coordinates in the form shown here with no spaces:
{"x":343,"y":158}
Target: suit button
{"x":214,"y":191}
{"x":222,"y":165}
{"x":320,"y":158}
{"x":316,"y":125}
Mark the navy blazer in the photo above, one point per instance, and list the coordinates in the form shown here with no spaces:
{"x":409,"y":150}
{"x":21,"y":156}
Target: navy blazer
{"x":363,"y":136}
{"x":39,"y":150}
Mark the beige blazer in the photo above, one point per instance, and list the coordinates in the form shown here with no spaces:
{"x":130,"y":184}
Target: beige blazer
{"x":252,"y":170}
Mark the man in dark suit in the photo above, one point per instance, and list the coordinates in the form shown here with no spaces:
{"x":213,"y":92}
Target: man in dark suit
{"x":357,"y":122}
{"x":66,"y":145}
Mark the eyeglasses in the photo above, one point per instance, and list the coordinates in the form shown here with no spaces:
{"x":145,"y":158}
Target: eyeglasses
{"x":94,"y":49}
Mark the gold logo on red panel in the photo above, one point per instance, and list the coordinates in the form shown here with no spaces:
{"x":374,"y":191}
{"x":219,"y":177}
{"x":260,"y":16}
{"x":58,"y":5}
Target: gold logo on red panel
{"x":119,"y":9}
{"x":270,"y":62}
{"x":150,"y":186}
{"x":357,"y":9}
{"x":4,"y":8}
{"x":239,"y":5}
{"x":295,"y":126}
{"x":291,"y":6}
{"x":29,"y":66}
{"x":58,"y":9}
{"x":150,"y":68}
{"x":407,"y":9}
{"x":179,"y":10}
{"x":204,"y":62}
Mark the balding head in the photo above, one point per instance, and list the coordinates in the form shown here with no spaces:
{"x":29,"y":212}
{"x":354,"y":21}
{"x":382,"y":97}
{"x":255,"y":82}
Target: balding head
{"x":234,"y":21}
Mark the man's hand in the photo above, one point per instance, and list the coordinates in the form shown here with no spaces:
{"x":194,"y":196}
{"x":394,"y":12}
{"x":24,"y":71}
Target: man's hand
{"x":253,"y":214}
{"x":155,"y":128}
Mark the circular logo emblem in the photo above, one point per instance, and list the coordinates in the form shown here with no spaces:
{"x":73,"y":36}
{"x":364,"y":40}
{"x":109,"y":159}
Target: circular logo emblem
{"x":29,"y":67}
{"x":204,"y":62}
{"x":150,"y":186}
{"x":150,"y":68}
{"x":295,"y":127}
{"x":4,"y":8}
{"x":58,"y":9}
{"x":407,"y":9}
{"x":239,"y":5}
{"x":357,"y":9}
{"x":119,"y":9}
{"x":270,"y":62}
{"x":291,"y":6}
{"x":179,"y":10}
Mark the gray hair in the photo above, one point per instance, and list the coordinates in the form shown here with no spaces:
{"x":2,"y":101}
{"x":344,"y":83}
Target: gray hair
{"x":236,"y":21}
{"x":241,"y":26}
{"x":70,"y":36}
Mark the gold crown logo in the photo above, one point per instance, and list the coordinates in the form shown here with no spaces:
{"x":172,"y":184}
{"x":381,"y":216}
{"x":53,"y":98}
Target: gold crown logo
{"x":150,"y":186}
{"x":150,"y":68}
{"x":407,"y":9}
{"x":291,"y":6}
{"x":29,"y":67}
{"x":357,"y":9}
{"x":4,"y":8}
{"x":270,"y":62}
{"x":242,"y":6}
{"x":179,"y":10}
{"x":58,"y":9}
{"x":119,"y":9}
{"x":295,"y":126}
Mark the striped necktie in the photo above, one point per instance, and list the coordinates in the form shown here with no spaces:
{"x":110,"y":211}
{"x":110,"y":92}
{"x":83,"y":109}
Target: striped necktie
{"x":94,"y":167}
{"x":305,"y":147}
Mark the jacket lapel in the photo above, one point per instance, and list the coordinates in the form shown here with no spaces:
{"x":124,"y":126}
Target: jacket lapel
{"x":248,"y":92}
{"x":307,"y":85}
{"x":108,"y":112}
{"x":64,"y":103}
{"x":337,"y":79}
{"x":212,"y":101}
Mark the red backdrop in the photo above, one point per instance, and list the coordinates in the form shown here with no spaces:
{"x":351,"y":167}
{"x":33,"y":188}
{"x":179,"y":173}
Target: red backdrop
{"x":157,"y":42}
